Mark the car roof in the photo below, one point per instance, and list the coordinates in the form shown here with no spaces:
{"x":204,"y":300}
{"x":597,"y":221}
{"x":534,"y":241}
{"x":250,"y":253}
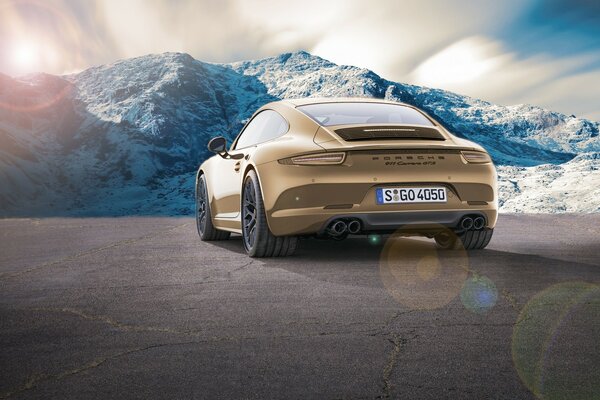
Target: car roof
{"x":319,"y":100}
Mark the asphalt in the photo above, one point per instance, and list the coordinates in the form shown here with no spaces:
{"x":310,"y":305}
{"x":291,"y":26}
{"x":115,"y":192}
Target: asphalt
{"x":140,"y":308}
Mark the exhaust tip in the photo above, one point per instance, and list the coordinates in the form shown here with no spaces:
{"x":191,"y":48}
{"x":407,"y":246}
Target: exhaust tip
{"x":338,"y":227}
{"x":354,"y":226}
{"x":478,"y":223}
{"x":466,"y":223}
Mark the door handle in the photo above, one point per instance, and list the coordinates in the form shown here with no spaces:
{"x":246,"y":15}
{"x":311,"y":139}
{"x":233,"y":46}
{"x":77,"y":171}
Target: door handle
{"x":237,"y":166}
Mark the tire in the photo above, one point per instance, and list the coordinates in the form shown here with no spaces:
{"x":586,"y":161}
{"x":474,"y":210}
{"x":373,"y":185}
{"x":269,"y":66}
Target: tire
{"x":470,"y":240}
{"x":446,"y":240}
{"x":258,"y":239}
{"x":204,"y":225}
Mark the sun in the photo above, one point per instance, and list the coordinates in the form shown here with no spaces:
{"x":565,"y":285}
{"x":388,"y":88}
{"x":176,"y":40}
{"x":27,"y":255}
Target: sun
{"x":25,"y":55}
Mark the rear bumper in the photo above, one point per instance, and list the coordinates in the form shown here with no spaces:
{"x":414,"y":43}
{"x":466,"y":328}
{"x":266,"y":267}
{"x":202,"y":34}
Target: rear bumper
{"x":315,"y":221}
{"x":409,"y":220}
{"x":302,"y":200}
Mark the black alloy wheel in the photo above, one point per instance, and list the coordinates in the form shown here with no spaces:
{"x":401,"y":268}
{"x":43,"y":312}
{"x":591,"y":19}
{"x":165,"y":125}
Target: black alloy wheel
{"x":204,"y":225}
{"x":257,"y":237}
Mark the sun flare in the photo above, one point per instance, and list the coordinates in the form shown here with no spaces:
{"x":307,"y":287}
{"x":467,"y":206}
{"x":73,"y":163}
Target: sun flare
{"x":25,"y":55}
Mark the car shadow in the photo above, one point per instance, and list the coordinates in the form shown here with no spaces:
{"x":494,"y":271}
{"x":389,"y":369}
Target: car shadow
{"x":358,"y":261}
{"x":233,"y":244}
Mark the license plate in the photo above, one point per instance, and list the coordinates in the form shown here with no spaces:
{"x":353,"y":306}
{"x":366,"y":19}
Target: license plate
{"x":395,"y":195}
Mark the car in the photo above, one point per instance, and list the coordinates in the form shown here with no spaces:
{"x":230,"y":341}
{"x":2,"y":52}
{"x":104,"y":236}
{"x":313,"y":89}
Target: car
{"x":335,"y":167}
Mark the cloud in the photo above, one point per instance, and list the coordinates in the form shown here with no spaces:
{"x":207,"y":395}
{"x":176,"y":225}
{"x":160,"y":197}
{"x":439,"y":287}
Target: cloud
{"x":574,"y":94}
{"x":462,"y":62}
{"x":498,"y":51}
{"x":219,"y":31}
{"x":484,"y":68}
{"x":394,"y":37}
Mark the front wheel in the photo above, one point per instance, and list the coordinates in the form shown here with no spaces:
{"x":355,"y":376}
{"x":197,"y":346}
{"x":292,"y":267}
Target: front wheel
{"x":258,"y":239}
{"x":204,"y":225}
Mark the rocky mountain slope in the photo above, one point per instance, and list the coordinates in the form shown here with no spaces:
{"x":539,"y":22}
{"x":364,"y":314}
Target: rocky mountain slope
{"x":126,"y":138}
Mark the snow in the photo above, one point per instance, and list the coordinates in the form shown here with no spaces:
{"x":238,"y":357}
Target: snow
{"x":126,"y":138}
{"x":570,"y":187}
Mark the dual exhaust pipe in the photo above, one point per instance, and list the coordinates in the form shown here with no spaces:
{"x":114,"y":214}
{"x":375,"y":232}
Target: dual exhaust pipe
{"x":339,"y":227}
{"x":468,"y":223}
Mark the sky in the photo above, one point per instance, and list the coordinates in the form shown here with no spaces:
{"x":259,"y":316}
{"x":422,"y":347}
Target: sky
{"x":542,"y":52}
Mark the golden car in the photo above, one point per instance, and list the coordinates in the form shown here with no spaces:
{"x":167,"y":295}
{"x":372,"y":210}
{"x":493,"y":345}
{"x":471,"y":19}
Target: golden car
{"x":339,"y":167}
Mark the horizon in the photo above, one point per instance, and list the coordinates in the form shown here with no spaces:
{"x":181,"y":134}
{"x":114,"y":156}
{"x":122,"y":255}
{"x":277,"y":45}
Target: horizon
{"x":544,"y":53}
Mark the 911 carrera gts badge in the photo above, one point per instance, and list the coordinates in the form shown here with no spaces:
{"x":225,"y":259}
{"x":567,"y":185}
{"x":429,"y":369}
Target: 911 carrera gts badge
{"x":392,"y":163}
{"x":410,"y":160}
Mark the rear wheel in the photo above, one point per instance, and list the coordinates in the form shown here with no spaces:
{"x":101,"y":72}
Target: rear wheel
{"x":204,"y":225}
{"x":470,"y":240}
{"x":476,"y":240}
{"x":258,"y":239}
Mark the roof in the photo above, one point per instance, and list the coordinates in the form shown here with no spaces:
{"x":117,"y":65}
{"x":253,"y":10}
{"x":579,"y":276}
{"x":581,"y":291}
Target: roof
{"x":316,"y":100}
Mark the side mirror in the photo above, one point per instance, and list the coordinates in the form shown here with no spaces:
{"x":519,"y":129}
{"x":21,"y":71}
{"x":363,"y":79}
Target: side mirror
{"x":218,"y":144}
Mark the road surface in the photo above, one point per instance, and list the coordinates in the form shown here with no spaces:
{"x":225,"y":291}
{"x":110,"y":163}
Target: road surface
{"x":140,"y":308}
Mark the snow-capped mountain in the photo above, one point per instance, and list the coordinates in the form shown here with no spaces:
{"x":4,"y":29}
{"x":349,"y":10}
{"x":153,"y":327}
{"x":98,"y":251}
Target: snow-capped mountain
{"x":126,"y":138}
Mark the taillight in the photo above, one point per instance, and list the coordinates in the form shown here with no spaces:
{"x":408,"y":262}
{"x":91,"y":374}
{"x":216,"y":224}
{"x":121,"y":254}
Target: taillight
{"x":315,"y":159}
{"x":476,"y":157}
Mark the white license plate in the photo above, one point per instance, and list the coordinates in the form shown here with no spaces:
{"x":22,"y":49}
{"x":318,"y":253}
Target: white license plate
{"x":395,"y":195}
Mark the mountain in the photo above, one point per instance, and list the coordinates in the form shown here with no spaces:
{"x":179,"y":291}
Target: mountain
{"x":126,"y":138}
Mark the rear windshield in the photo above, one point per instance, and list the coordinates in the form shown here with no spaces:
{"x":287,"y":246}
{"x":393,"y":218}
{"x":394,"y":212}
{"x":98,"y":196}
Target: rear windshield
{"x":349,"y":113}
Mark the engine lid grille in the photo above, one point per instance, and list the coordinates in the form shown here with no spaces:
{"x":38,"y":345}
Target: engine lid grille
{"x":387,"y":132}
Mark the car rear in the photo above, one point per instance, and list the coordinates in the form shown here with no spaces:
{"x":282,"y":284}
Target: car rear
{"x":378,"y":174}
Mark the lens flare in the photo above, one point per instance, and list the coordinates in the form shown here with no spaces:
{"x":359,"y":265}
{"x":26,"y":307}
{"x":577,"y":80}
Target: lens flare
{"x":557,"y":321}
{"x":374,"y":239}
{"x":420,"y":277}
{"x":479,"y":294}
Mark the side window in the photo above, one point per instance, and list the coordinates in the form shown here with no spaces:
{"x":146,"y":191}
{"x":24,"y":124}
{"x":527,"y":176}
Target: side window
{"x":265,"y":126}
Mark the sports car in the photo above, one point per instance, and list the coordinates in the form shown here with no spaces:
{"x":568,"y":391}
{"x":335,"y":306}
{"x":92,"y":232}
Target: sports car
{"x":330,"y":168}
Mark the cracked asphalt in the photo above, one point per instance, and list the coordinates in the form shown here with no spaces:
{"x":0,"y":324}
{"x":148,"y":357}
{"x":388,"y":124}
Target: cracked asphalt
{"x":139,"y":308}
